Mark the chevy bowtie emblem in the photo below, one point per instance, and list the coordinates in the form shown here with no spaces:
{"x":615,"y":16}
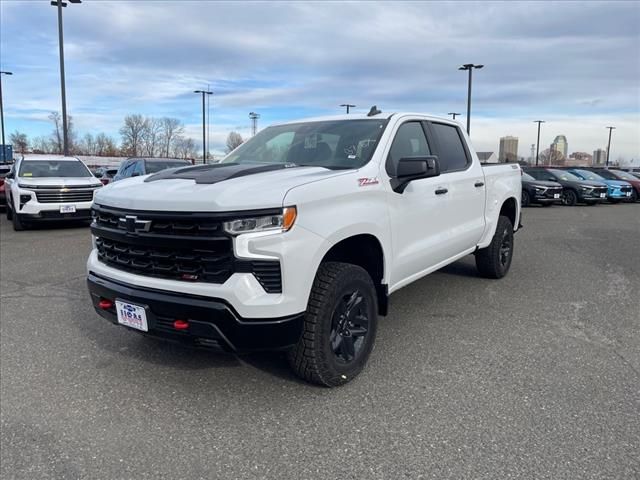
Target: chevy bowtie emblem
{"x":132,"y":225}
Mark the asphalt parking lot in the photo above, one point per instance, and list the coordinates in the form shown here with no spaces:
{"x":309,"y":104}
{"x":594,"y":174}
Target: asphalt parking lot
{"x":534,"y":376}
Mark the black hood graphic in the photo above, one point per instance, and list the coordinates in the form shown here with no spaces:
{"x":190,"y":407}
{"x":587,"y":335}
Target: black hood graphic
{"x":210,"y":174}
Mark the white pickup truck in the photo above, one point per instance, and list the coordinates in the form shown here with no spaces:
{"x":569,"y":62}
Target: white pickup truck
{"x":298,"y":237}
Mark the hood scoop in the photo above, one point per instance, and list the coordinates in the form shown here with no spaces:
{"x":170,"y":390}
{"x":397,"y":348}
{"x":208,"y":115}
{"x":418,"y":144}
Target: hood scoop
{"x":210,"y":174}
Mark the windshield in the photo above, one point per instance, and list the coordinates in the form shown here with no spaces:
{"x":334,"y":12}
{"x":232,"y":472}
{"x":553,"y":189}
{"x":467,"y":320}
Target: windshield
{"x":527,"y":177}
{"x":566,"y":176}
{"x":53,"y":168}
{"x":625,"y":175}
{"x":337,"y":144}
{"x":156,"y":166}
{"x":587,"y":175}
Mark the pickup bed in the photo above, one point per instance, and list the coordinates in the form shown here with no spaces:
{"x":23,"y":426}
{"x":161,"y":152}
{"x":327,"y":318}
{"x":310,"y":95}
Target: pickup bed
{"x":298,"y":237}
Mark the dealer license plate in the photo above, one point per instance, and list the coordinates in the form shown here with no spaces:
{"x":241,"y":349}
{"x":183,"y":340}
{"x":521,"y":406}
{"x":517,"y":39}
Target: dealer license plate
{"x":133,"y":316}
{"x":556,"y":195}
{"x":628,"y":194}
{"x":68,"y":209}
{"x":603,"y":195}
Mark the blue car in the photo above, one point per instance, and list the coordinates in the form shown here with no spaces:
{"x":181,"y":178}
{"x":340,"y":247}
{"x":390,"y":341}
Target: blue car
{"x":617,"y":190}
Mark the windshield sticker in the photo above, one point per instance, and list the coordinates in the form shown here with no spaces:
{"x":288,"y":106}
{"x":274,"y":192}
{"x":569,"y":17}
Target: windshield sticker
{"x":351,"y":150}
{"x":27,"y":174}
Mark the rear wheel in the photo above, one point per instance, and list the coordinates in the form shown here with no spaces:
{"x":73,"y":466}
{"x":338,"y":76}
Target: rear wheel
{"x":569,"y":198}
{"x":526,"y":199}
{"x":339,"y":326}
{"x":494,"y":261}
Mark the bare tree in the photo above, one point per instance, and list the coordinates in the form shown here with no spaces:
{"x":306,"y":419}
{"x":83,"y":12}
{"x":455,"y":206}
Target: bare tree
{"x":105,"y":146}
{"x":171,"y":129}
{"x":152,"y":136}
{"x":234,"y":140}
{"x":88,"y":145}
{"x":41,"y":145}
{"x":184,"y":148}
{"x":551,"y":157}
{"x":56,"y":135}
{"x":132,"y":134}
{"x":20,"y":141}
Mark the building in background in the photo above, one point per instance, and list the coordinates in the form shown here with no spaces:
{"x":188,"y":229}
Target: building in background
{"x":599,"y":156}
{"x":487,"y":157}
{"x":508,"y":149}
{"x":560,"y":145}
{"x":579,"y":159}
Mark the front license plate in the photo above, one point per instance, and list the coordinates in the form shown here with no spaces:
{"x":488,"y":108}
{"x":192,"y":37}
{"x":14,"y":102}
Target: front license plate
{"x":68,"y":209}
{"x":628,"y":194}
{"x":133,"y":316}
{"x":603,"y":195}
{"x":556,"y":195}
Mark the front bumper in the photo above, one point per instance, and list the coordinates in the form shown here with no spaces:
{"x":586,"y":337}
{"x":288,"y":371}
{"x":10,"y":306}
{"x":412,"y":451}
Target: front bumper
{"x":212,"y":322}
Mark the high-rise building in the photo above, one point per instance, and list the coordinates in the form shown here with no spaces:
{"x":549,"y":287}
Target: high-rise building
{"x":560,"y":145}
{"x":508,"y":149}
{"x":599,"y":156}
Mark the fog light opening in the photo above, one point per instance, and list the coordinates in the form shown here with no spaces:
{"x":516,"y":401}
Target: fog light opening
{"x":180,"y":324}
{"x":105,"y":304}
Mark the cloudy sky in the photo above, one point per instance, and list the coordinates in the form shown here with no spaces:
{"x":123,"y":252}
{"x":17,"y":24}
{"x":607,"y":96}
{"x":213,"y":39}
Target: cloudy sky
{"x":574,"y":64}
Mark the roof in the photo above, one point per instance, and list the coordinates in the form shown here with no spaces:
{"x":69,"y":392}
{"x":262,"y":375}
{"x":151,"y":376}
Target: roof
{"x":154,"y":159}
{"x":60,"y":158}
{"x":364,"y":116}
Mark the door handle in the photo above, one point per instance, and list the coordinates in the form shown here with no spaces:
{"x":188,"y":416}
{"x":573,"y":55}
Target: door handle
{"x":479,"y":184}
{"x":441,"y":191}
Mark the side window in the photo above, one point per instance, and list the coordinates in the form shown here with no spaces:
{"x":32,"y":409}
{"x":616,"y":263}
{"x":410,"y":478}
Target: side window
{"x":127,"y":170}
{"x":410,"y":141}
{"x":138,"y":168}
{"x":451,"y":152}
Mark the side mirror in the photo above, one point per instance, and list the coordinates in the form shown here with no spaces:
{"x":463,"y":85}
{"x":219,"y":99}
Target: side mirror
{"x":135,"y":174}
{"x":414,"y":168}
{"x":10,"y":175}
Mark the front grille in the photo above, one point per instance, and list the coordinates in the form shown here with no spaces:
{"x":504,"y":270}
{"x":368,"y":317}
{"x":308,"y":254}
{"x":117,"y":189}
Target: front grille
{"x":64,"y":196}
{"x":176,"y":263}
{"x":177,"y":246}
{"x":625,"y":189}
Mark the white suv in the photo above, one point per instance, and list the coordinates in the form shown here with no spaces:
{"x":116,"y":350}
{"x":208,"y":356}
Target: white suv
{"x":46,"y":188}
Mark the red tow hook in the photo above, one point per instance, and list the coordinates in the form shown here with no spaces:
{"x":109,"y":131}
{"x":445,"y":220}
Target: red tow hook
{"x":105,"y":304}
{"x":180,"y":324}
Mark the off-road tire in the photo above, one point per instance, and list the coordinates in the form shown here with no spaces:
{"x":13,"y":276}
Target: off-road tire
{"x":18,"y":225}
{"x":313,"y":358}
{"x":9,"y":212}
{"x":490,"y":261}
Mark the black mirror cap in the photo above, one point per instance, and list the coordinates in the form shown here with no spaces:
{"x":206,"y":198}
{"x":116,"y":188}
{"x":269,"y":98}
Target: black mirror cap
{"x":414,"y":168}
{"x":418,"y":167}
{"x":9,"y":175}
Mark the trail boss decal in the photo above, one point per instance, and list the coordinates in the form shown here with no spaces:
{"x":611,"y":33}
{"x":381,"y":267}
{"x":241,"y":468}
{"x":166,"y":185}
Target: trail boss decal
{"x":364,"y":182}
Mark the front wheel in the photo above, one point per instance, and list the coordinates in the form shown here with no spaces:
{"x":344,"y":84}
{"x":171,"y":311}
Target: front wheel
{"x":526,"y":199}
{"x":18,"y":225}
{"x":634,"y":197}
{"x":569,"y":198}
{"x":339,"y":326}
{"x":494,"y":261}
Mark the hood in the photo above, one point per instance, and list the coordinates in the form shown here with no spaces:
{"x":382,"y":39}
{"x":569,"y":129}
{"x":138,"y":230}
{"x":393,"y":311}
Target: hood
{"x":542,"y":183}
{"x":617,"y":183}
{"x":591,"y":183}
{"x":58,"y":181}
{"x":197,"y":189}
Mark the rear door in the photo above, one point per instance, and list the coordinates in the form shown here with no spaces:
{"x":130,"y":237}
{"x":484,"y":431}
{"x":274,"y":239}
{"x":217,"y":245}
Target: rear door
{"x":466,"y":187}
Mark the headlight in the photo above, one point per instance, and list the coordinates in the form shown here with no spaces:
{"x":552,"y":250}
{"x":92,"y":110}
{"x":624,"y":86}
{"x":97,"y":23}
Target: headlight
{"x":279,"y":222}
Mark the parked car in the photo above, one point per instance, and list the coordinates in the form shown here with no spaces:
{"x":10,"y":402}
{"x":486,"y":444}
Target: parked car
{"x":296,"y":240}
{"x":49,"y":189}
{"x":574,"y":189}
{"x":540,"y":192}
{"x":613,"y":174}
{"x":134,"y":167}
{"x":5,"y":168}
{"x":617,"y":190}
{"x":105,"y":175}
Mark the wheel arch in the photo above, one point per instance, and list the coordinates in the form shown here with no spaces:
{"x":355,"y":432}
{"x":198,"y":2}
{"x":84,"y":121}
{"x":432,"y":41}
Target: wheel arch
{"x":364,"y":250}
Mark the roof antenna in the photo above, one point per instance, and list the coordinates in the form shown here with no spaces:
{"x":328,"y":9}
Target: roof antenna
{"x":374,"y":111}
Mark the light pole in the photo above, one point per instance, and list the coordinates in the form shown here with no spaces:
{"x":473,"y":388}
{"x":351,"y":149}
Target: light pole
{"x":469,"y":67}
{"x":609,"y":144}
{"x":254,"y":122}
{"x":59,"y":4}
{"x":2,"y":114}
{"x":453,"y":114}
{"x":204,"y":133}
{"x":538,"y":142}
{"x":348,"y":105}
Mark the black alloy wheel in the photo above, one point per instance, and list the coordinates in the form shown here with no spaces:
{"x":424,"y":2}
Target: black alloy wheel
{"x":569,"y":198}
{"x":349,"y":327}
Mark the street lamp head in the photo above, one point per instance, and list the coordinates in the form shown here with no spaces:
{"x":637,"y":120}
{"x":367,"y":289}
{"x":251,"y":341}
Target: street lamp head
{"x":75,"y":1}
{"x":7,"y":73}
{"x":612,"y":128}
{"x":478,"y":66}
{"x":539,"y":121}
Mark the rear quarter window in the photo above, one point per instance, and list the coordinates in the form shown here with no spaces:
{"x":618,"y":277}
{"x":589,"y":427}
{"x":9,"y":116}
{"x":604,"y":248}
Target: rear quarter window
{"x":452,"y":154}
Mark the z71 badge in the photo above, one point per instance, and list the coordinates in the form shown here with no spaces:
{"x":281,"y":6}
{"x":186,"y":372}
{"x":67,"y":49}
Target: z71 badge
{"x":363,"y":182}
